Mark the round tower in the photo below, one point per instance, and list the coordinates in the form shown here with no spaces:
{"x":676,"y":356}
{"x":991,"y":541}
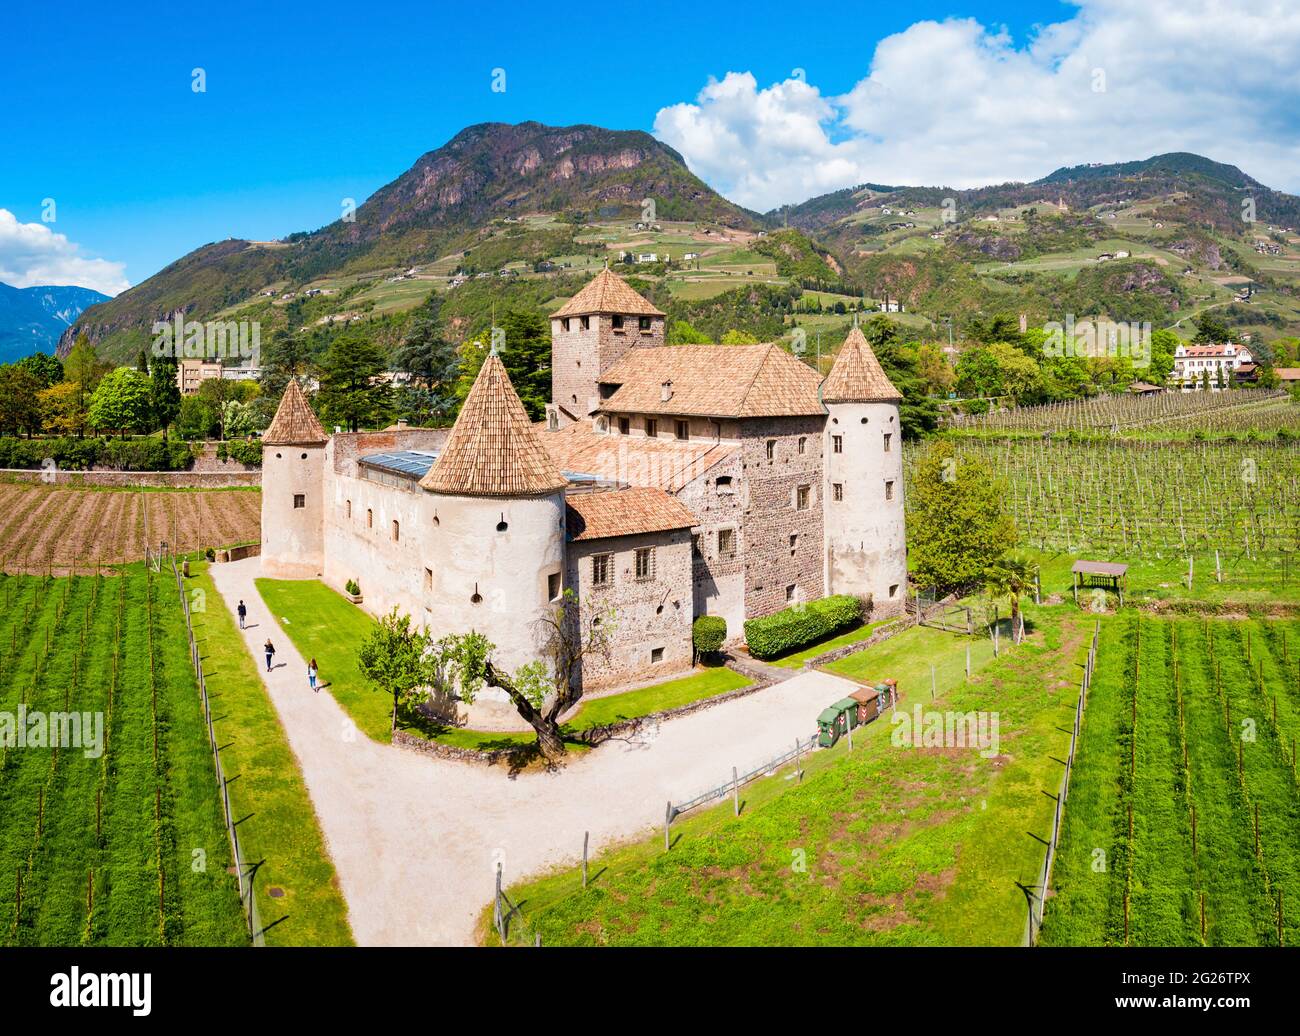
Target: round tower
{"x":865,"y":536}
{"x":293,"y":474}
{"x":494,"y":511}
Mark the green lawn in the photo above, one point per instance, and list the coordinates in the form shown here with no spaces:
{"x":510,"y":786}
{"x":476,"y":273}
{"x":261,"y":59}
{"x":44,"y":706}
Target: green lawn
{"x":885,"y":844}
{"x":326,"y":626}
{"x":267,"y":787}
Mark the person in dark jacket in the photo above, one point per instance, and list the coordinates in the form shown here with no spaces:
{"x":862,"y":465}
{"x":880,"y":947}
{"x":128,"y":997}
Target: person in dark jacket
{"x":243,"y":613}
{"x":270,"y":653}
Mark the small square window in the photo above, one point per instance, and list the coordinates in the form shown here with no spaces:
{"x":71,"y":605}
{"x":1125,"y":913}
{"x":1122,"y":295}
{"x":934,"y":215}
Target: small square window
{"x":837,"y":491}
{"x":564,"y":324}
{"x":683,"y":429}
{"x":889,"y":490}
{"x":616,"y":322}
{"x":601,"y":569}
{"x":585,"y":323}
{"x":299,"y":500}
{"x":651,"y":428}
{"x":428,"y":580}
{"x":727,"y":543}
{"x":553,"y":587}
{"x":624,"y":425}
{"x":349,"y":509}
{"x":771,"y":449}
{"x":643,"y":323}
{"x":645,"y":563}
{"x":802,"y":496}
{"x":397,"y":531}
{"x":837,"y":444}
{"x":803,"y":445}
{"x":893,"y":589}
{"x":791,"y":593}
{"x":794,"y":542}
{"x":656,"y":655}
{"x":888,"y":437}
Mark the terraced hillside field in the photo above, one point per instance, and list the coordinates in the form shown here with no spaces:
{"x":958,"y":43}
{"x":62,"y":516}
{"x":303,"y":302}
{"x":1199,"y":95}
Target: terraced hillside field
{"x":61,"y":529}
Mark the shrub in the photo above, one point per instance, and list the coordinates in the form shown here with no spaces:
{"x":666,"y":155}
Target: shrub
{"x":801,"y":625}
{"x":351,"y":587}
{"x":69,"y":454}
{"x":975,"y":407}
{"x":708,"y":632}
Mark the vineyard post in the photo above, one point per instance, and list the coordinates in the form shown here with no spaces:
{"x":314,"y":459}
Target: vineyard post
{"x":1193,"y":831}
{"x":1202,"y":916}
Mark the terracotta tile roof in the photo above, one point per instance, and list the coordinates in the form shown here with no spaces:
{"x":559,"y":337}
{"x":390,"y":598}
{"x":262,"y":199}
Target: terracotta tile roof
{"x":856,"y":376}
{"x":626,"y":512}
{"x":492,"y":449}
{"x":713,"y":381}
{"x":1288,"y":373}
{"x":607,"y":293}
{"x":666,"y":464}
{"x":294,"y":424}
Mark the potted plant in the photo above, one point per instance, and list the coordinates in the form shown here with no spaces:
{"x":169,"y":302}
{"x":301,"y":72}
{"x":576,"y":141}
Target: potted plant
{"x":353,"y":592}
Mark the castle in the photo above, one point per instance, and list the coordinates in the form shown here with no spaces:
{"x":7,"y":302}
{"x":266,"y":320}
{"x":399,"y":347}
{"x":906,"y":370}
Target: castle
{"x":666,"y":482}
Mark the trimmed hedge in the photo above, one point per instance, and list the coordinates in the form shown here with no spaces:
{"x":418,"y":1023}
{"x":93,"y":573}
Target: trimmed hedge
{"x":708,"y":632}
{"x":245,"y":451}
{"x":69,"y":454}
{"x":803,"y":624}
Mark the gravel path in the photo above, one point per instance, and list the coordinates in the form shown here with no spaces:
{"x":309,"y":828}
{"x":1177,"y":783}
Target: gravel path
{"x":415,"y":839}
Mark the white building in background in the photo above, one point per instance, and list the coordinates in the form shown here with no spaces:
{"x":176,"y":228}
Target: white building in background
{"x":1220,"y":362}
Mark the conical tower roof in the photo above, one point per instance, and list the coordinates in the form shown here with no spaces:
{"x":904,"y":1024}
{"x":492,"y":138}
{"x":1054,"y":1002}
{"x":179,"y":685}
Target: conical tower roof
{"x":493,"y":449}
{"x":607,"y":292}
{"x":857,"y":377}
{"x":295,"y":423}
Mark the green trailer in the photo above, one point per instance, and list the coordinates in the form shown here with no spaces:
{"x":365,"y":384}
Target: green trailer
{"x":836,"y":721}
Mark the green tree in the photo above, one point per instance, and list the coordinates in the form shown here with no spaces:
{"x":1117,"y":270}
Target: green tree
{"x":958,"y":526}
{"x":84,"y":369}
{"x":682,"y":332}
{"x":527,"y":358}
{"x":1010,"y":577}
{"x":20,"y":404}
{"x":48,"y":369}
{"x":542,"y":690}
{"x":121,"y":402}
{"x":350,"y":390}
{"x":1210,"y":330}
{"x":195,"y":419}
{"x":735,"y":337}
{"x":164,"y":393}
{"x":396,"y":659}
{"x":429,"y":356}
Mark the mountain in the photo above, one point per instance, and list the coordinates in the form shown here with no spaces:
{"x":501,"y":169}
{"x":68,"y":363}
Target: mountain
{"x":442,"y":205}
{"x":32,"y":319}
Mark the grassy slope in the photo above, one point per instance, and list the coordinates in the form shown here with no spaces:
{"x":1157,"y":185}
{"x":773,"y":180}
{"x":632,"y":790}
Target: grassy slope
{"x":885,"y":845}
{"x":267,"y":788}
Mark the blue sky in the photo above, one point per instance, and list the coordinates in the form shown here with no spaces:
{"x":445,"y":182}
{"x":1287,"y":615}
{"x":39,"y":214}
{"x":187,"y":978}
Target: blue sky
{"x":308,"y":104}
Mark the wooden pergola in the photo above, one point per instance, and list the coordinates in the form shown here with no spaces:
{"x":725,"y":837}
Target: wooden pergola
{"x":1108,"y":575}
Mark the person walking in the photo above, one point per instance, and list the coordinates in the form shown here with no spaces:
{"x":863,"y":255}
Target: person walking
{"x":270,"y":653}
{"x":243,"y":613}
{"x":311,"y":675}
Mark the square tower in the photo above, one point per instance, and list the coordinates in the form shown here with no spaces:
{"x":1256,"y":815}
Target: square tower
{"x":589,"y":334}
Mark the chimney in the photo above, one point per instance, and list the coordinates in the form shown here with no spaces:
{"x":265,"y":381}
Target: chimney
{"x":666,"y":391}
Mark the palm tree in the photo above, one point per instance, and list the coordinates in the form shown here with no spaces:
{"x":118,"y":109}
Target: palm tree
{"x":1010,"y":577}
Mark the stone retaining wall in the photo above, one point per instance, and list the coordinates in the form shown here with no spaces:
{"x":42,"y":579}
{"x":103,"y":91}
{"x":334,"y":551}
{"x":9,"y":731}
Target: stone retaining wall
{"x":136,"y":479}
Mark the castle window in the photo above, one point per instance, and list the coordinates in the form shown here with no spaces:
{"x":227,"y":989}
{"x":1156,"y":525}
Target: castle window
{"x":624,"y":425}
{"x":348,"y":513}
{"x":585,"y":322}
{"x":893,"y":589}
{"x":723,"y":485}
{"x":791,"y":593}
{"x":889,"y":490}
{"x":553,"y":588}
{"x":656,"y":655}
{"x":643,"y":324}
{"x":645,"y":563}
{"x":370,"y":518}
{"x":651,"y":428}
{"x":616,"y":322}
{"x":837,"y":491}
{"x":397,"y":531}
{"x":771,"y":449}
{"x":565,"y":323}
{"x":428,"y":580}
{"x":601,"y":569}
{"x":299,"y":500}
{"x":837,"y":444}
{"x":802,"y":496}
{"x":794,"y":542}
{"x":683,"y":429}
{"x":888,"y":437}
{"x":803,"y":445}
{"x":726,"y":543}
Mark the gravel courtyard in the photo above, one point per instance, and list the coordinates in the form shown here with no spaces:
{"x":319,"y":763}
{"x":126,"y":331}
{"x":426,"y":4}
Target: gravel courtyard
{"x":416,"y":840}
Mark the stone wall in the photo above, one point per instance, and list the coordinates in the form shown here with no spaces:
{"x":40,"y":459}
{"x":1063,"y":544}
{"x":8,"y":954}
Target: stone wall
{"x":772,"y":562}
{"x":649,"y":615}
{"x":207,"y":462}
{"x":579,"y":356}
{"x":136,"y":479}
{"x":348,"y":446}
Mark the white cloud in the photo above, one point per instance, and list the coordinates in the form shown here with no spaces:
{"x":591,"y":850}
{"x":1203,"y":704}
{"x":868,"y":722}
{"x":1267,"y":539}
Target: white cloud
{"x":32,"y":254}
{"x":960,"y":104}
